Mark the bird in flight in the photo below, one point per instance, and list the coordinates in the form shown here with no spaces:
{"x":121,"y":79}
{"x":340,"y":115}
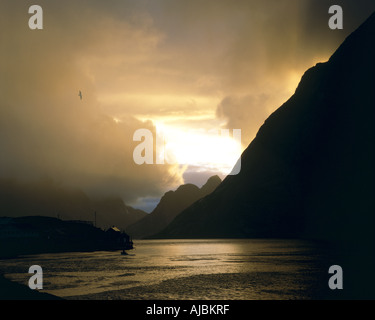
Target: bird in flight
{"x":80,"y":94}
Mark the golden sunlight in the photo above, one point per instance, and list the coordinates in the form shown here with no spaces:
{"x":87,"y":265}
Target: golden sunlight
{"x":208,"y":150}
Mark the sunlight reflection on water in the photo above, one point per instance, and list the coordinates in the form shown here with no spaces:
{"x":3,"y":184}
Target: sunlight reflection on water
{"x":180,"y":269}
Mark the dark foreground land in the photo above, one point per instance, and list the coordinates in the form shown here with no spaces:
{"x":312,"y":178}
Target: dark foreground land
{"x":14,"y":291}
{"x":37,"y":235}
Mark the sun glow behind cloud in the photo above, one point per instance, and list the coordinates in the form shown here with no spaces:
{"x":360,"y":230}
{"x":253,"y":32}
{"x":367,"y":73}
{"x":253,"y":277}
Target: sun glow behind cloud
{"x":187,"y":65}
{"x":205,"y":149}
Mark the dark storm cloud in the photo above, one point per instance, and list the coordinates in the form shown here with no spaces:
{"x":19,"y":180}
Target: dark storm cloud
{"x":46,"y":130}
{"x":146,"y":57}
{"x":268,"y":57}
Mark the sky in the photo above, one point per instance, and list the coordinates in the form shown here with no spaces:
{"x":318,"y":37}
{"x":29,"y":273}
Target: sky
{"x":183,"y":69}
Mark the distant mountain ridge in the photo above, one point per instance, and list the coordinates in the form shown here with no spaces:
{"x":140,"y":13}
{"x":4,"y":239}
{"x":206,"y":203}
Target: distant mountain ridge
{"x":309,"y":173}
{"x":170,"y":205}
{"x":46,"y":198}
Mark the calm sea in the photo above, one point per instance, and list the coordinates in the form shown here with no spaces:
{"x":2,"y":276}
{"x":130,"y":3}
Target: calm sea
{"x":183,"y":269}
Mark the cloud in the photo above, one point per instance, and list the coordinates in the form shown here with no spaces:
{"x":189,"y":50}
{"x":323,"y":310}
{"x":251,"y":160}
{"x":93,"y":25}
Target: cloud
{"x":273,"y":43}
{"x":178,"y":60}
{"x":47,"y":131}
{"x":244,"y":112}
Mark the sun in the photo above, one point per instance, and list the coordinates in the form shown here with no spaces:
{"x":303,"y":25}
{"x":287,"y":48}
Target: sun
{"x":205,"y":149}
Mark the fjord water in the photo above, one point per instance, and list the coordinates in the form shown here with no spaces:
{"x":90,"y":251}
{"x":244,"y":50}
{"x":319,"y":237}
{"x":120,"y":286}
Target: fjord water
{"x":183,"y":269}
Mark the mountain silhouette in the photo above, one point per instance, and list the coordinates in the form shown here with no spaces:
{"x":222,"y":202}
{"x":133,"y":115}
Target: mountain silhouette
{"x":309,"y":173}
{"x":170,"y":205}
{"x":47,"y":198}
